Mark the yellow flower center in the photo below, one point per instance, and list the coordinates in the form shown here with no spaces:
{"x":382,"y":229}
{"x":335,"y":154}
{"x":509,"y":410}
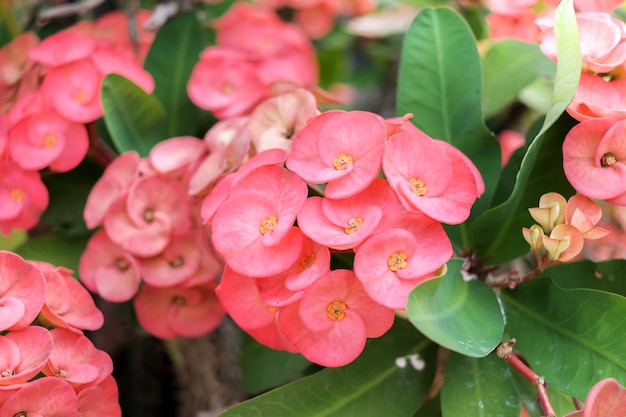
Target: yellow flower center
{"x":397,"y":260}
{"x":307,"y":261}
{"x":7,"y":372}
{"x":81,"y":97}
{"x":17,"y":195}
{"x":336,"y":310}
{"x":419,"y":188}
{"x":49,"y":141}
{"x":353,"y":225}
{"x":342,"y":161}
{"x":268,"y":224}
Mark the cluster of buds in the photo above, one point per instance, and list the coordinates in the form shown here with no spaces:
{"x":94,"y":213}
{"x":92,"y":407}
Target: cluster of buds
{"x":48,"y":91}
{"x":562,"y":227}
{"x":152,"y":247}
{"x":57,"y":371}
{"x":276,"y":240}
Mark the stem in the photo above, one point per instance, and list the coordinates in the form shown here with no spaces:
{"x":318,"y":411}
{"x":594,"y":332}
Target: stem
{"x":100,"y":151}
{"x":514,"y":279}
{"x":505,"y":351}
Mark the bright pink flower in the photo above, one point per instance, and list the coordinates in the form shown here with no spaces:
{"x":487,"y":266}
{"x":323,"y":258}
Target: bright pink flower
{"x":510,"y":141}
{"x":63,"y":47}
{"x":225,"y":81}
{"x":391,"y":263}
{"x":68,"y":304}
{"x":143,"y":220}
{"x":253,"y":229}
{"x":602,"y":39}
{"x":607,"y":398}
{"x":333,"y":319}
{"x":23,"y":197}
{"x":594,"y":153}
{"x":431,"y":176}
{"x":176,"y":311}
{"x":108,"y":61}
{"x":46,"y":139}
{"x":100,"y":400}
{"x":345,"y":223}
{"x":116,"y":178}
{"x":107,"y":269}
{"x":314,"y":261}
{"x":43,"y":397}
{"x":584,"y":214}
{"x":24,"y":354}
{"x":22,"y":292}
{"x":114,"y":28}
{"x":343,"y":149}
{"x":519,"y":25}
{"x":73,"y":89}
{"x":14,"y":62}
{"x":596,"y":97}
{"x":222,"y":189}
{"x":75,"y":359}
{"x":176,"y":264}
{"x":276,"y":121}
{"x":177,"y":157}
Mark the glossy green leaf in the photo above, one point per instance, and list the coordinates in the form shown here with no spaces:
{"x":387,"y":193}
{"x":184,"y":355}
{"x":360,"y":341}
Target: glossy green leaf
{"x":508,"y":67}
{"x":263,"y":368}
{"x":569,"y":61}
{"x":461,"y":315}
{"x":172,"y":56}
{"x":391,"y":377}
{"x":604,"y":276}
{"x":478,"y":387}
{"x":13,"y":240}
{"x":442,"y":88}
{"x":132,"y":117}
{"x":496,"y":235}
{"x":55,"y":249}
{"x":573,"y":338}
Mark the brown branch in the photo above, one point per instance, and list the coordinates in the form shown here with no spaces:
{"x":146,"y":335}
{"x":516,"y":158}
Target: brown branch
{"x":505,"y":351}
{"x":70,"y":9}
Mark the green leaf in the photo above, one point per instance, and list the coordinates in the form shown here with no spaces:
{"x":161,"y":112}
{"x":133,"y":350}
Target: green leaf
{"x":55,"y":249}
{"x":573,"y":338}
{"x":13,"y":240}
{"x":263,"y":368}
{"x":171,"y":58}
{"x":496,"y":235}
{"x":569,"y":61}
{"x":133,"y":117}
{"x":508,"y":67}
{"x":461,"y":315}
{"x":478,"y":387}
{"x":387,"y":379}
{"x":603,"y":276}
{"x":442,"y":88}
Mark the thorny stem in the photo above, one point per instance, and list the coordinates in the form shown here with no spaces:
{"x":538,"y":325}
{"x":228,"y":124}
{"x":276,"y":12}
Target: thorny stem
{"x":513,"y":279}
{"x":505,"y":351}
{"x":101,"y":153}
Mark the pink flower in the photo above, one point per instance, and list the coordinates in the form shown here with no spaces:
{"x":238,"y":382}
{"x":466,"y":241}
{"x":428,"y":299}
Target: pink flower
{"x":45,"y":397}
{"x":593,"y":158}
{"x":22,"y":292}
{"x":333,"y":319}
{"x":342,"y":149}
{"x":23,"y":197}
{"x":24,"y":354}
{"x":116,"y":178}
{"x":100,"y":400}
{"x":596,"y":97}
{"x":178,"y":311}
{"x":107,"y":269}
{"x":175,"y":264}
{"x":63,"y":47}
{"x":607,"y":398}
{"x":75,"y":359}
{"x":393,"y":262}
{"x":68,"y":304}
{"x":253,"y":229}
{"x":510,"y":141}
{"x":177,"y":157}
{"x":584,"y":214}
{"x":143,"y":220}
{"x":431,"y":176}
{"x":345,"y":223}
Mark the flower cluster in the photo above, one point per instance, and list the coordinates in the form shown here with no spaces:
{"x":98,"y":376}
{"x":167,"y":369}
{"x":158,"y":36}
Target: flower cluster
{"x":607,"y":398}
{"x":276,"y":240}
{"x":562,"y":226}
{"x":151,"y":247}
{"x":256,"y":56}
{"x":49,"y":90}
{"x":50,"y":372}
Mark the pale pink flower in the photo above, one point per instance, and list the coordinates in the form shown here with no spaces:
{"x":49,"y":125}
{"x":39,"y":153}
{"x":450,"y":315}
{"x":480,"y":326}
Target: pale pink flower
{"x":23,"y":197}
{"x":607,"y":398}
{"x":24,"y":354}
{"x":584,"y":214}
{"x":100,"y":400}
{"x":596,"y":97}
{"x":43,"y":397}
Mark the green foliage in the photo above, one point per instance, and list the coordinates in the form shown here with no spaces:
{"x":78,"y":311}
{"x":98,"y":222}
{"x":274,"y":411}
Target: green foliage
{"x":54,"y":248}
{"x":461,"y":315}
{"x":568,"y":336}
{"x":172,"y":56}
{"x":442,"y":88}
{"x":133,"y":118}
{"x":382,"y":381}
{"x":605,"y":276}
{"x":478,"y":387}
